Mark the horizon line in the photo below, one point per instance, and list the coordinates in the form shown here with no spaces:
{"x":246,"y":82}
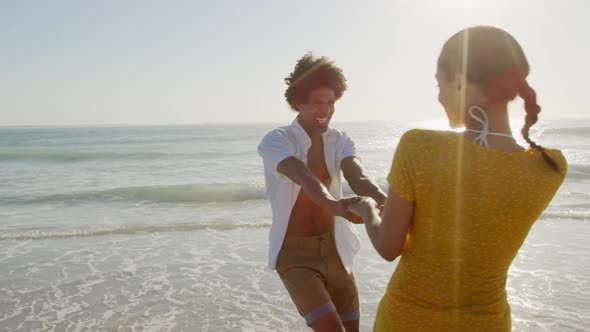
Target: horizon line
{"x":173,"y":124}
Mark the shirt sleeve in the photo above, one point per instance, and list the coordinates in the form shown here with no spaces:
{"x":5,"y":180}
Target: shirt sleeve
{"x":348,"y":147}
{"x":401,"y":175}
{"x":274,"y":148}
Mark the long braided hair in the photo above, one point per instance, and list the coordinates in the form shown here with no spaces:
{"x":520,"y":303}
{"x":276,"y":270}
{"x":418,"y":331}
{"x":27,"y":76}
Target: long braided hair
{"x":494,"y":61}
{"x":532,"y":110}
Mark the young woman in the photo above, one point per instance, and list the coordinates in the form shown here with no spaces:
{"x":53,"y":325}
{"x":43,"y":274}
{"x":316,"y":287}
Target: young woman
{"x":460,"y":204}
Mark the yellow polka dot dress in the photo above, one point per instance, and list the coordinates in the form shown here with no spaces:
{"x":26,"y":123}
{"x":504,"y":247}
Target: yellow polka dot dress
{"x":474,"y":206}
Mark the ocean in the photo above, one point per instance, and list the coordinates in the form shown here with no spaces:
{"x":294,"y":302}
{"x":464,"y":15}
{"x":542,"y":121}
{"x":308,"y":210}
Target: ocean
{"x":165,"y":228}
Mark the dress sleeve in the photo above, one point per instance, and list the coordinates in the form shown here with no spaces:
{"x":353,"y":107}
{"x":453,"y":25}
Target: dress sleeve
{"x":401,"y":176}
{"x":274,"y":148}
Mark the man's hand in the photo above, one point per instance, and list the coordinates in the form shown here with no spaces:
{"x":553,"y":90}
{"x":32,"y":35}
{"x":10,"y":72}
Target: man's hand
{"x":340,"y":208}
{"x":363,"y":207}
{"x":350,"y":216}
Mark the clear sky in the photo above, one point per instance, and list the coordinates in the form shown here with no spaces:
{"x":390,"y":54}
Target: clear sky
{"x":183,"y":62}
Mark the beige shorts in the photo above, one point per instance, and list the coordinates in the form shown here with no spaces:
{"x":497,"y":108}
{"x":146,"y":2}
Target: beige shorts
{"x":315,"y":278}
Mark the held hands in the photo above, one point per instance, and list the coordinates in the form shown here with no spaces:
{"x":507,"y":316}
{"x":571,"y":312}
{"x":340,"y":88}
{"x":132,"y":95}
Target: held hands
{"x":364,"y":207}
{"x":340,"y":208}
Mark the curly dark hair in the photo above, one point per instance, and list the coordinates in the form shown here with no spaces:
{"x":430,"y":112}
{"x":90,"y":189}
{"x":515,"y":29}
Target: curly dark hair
{"x":310,"y":73}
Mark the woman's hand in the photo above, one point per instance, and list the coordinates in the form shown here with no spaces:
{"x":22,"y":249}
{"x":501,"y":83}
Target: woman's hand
{"x":364,"y":207}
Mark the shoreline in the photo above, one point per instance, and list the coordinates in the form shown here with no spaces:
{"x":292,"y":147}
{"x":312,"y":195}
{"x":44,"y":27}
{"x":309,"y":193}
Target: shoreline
{"x":217,"y":280}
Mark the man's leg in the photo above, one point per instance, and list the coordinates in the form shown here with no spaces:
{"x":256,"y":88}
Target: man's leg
{"x":348,"y":314}
{"x":310,"y":296}
{"x":328,"y":323}
{"x":351,"y":325}
{"x":303,"y":270}
{"x":343,"y":291}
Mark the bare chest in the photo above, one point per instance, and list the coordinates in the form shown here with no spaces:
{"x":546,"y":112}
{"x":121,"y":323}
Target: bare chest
{"x":316,"y":162}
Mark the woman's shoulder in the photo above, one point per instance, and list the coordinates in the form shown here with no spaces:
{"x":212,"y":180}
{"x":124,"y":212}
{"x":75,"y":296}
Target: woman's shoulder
{"x":559,"y":158}
{"x":426,"y":136}
{"x":556,"y":153}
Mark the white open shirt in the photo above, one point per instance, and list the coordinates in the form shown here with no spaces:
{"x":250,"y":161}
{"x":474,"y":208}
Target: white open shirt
{"x":292,"y":141}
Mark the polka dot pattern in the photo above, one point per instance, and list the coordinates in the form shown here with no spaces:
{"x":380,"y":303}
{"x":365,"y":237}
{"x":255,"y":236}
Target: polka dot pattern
{"x":474,"y":206}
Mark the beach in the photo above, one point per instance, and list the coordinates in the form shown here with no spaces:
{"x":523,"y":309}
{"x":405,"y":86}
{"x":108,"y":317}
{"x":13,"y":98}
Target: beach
{"x":166,"y":229}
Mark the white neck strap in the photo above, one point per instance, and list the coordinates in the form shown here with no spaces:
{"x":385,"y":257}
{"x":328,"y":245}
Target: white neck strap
{"x":482,"y":138}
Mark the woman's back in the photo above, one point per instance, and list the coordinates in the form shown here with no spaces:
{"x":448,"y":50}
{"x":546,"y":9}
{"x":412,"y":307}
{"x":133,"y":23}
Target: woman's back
{"x":474,"y":207}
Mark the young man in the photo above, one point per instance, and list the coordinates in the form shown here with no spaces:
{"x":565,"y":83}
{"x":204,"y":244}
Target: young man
{"x":311,"y":244}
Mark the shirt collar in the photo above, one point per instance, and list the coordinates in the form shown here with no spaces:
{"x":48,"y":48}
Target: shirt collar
{"x":303,"y":138}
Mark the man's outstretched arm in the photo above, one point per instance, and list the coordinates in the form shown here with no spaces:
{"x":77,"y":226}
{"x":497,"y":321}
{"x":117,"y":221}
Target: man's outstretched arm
{"x":359,"y":182}
{"x":299,"y":173}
